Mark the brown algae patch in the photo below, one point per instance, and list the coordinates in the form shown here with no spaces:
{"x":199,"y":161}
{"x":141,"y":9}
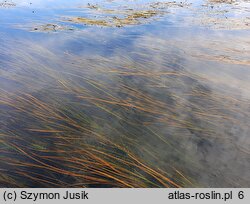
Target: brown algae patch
{"x":225,"y":23}
{"x":165,"y":5}
{"x":213,"y":17}
{"x":50,"y":28}
{"x":222,"y":1}
{"x":143,"y":14}
{"x":223,"y":15}
{"x":44,"y":27}
{"x":120,"y":16}
{"x":88,"y":21}
{"x":132,"y":18}
{"x":125,"y":15}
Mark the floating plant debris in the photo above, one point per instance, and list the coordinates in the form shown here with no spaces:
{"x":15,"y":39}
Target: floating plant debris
{"x":88,"y":21}
{"x":132,"y":18}
{"x":50,"y":28}
{"x":7,"y":4}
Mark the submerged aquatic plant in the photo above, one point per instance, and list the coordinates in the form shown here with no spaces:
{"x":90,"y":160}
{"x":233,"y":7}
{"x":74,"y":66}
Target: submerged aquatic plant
{"x":133,"y":116}
{"x":55,"y":129}
{"x":105,"y":122}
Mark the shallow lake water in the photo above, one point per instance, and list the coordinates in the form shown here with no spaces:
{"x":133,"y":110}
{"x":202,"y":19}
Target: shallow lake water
{"x":115,"y":93}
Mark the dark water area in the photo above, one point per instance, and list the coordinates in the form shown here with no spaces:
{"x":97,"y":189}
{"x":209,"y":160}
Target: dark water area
{"x":125,"y":93}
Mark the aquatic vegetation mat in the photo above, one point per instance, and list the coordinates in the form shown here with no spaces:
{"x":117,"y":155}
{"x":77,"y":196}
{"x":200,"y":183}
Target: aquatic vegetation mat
{"x":125,"y":94}
{"x":7,"y":4}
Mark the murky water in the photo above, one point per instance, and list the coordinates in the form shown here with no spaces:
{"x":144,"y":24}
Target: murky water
{"x":124,"y":93}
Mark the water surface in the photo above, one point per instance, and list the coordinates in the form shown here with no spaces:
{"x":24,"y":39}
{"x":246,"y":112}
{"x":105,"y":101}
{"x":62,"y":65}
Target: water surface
{"x":124,"y":93}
